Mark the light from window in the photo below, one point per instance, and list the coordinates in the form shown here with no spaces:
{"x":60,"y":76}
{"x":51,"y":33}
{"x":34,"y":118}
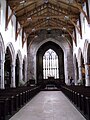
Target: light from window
{"x":50,"y":64}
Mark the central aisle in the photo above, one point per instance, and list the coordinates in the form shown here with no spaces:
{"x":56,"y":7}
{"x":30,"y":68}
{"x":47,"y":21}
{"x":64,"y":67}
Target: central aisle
{"x":48,"y":105}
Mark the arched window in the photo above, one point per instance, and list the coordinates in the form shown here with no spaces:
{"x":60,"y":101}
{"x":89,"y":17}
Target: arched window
{"x":50,"y":64}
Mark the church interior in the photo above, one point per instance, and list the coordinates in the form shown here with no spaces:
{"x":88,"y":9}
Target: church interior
{"x":44,"y":59}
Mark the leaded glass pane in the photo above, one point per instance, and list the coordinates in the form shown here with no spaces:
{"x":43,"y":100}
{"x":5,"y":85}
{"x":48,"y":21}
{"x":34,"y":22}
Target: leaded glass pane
{"x":50,"y":64}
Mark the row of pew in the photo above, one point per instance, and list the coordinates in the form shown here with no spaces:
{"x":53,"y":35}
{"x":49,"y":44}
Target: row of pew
{"x":80,"y":96}
{"x":11,"y":100}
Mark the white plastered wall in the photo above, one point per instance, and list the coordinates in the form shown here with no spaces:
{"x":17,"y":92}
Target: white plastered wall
{"x":82,"y":43}
{"x":8,"y":35}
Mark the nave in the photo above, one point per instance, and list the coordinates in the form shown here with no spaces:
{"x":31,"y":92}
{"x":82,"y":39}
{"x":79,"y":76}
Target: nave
{"x":44,"y":43}
{"x":48,"y":105}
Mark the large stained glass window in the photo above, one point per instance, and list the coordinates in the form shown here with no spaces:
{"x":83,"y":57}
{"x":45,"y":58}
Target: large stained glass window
{"x":50,"y":64}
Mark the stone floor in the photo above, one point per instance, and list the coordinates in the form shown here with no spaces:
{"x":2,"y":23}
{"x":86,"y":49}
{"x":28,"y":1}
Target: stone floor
{"x":48,"y":105}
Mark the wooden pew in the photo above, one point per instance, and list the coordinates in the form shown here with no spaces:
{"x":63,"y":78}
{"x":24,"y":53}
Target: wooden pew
{"x":80,"y":96}
{"x":14,"y":98}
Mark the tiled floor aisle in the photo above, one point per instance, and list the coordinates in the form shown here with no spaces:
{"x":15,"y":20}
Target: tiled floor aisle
{"x":48,"y":105}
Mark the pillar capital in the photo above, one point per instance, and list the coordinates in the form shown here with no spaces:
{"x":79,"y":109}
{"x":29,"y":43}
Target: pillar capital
{"x":20,"y":67}
{"x":2,"y":61}
{"x":79,"y":66}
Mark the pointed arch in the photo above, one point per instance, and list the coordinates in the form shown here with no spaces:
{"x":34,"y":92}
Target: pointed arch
{"x":24,"y":69}
{"x":9,"y":66}
{"x":68,"y":57}
{"x":85,"y":50}
{"x":79,"y":56}
{"x":12,"y":51}
{"x":2,"y":47}
{"x":20,"y":56}
{"x":87,"y":62}
{"x":81,"y":63}
{"x":39,"y":59}
{"x":75,"y":62}
{"x":18,"y":68}
{"x":2,"y":59}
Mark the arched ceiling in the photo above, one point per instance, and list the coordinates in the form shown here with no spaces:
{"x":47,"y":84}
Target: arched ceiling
{"x":35,"y":15}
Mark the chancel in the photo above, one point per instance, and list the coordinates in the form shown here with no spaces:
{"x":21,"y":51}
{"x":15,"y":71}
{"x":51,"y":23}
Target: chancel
{"x":44,"y":59}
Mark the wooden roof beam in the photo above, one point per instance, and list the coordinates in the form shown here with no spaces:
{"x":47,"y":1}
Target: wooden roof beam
{"x":55,"y":22}
{"x":71,"y":5}
{"x":42,"y":16}
{"x":8,"y":20}
{"x":59,"y":8}
{"x":64,"y":13}
{"x":71,"y":35}
{"x":34,"y":24}
{"x":25,"y":6}
{"x":75,"y":25}
{"x":82,"y":11}
{"x":29,"y":13}
{"x":78,"y":29}
{"x":18,"y":32}
{"x":13,"y":11}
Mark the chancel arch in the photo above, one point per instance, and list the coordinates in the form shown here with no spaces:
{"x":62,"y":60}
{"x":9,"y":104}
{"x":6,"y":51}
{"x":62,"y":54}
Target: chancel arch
{"x":51,"y":46}
{"x":63,"y":44}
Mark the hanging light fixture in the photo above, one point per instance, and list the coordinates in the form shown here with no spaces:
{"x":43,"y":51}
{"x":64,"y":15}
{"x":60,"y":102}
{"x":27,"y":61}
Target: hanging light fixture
{"x":22,"y":2}
{"x":29,"y":19}
{"x":66,"y":17}
{"x":33,"y":29}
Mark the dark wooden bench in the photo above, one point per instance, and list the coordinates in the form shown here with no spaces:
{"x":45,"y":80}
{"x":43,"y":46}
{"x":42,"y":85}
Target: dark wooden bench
{"x":80,"y":96}
{"x":14,"y":98}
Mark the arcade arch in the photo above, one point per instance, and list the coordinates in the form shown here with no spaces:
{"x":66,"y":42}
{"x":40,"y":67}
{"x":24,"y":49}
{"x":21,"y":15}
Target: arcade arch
{"x":2,"y":57}
{"x":18,"y":68}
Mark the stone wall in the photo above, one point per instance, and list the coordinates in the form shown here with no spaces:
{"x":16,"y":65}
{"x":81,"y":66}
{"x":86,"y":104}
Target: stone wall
{"x":38,"y":42}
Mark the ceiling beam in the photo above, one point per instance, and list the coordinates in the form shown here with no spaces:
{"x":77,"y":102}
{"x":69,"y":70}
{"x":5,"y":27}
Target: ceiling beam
{"x":78,"y":29}
{"x":59,"y":8}
{"x":49,"y":17}
{"x":84,"y":13}
{"x":13,"y":11}
{"x":18,"y":32}
{"x":30,"y":13}
{"x":68,"y":4}
{"x":25,"y":6}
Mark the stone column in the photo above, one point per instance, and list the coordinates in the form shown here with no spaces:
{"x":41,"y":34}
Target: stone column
{"x":2,"y":75}
{"x":20,"y":74}
{"x":13,"y":76}
{"x":80,"y":72}
{"x":76,"y":78}
{"x":88,"y":1}
{"x":25,"y":70}
{"x":87,"y":75}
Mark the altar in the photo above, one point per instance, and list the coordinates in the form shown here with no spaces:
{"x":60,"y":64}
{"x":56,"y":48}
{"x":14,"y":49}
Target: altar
{"x":51,"y":78}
